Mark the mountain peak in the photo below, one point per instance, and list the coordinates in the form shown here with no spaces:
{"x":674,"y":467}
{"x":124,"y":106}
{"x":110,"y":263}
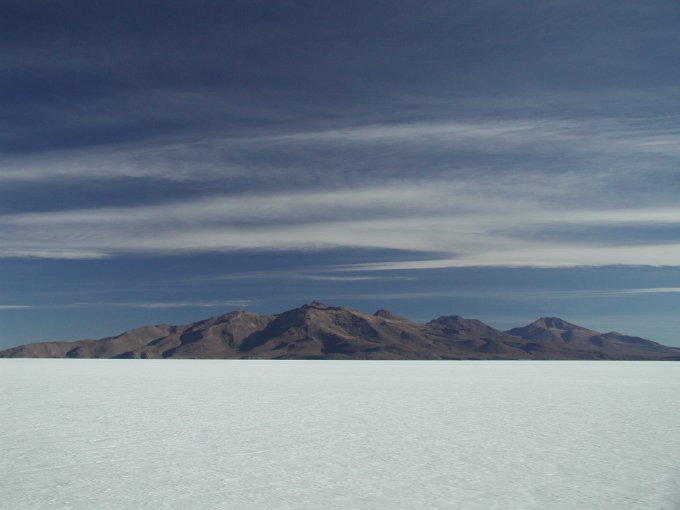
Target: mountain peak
{"x":455,"y":324}
{"x":554,"y":323}
{"x":450,"y":319}
{"x":316,"y":304}
{"x":386,"y":314}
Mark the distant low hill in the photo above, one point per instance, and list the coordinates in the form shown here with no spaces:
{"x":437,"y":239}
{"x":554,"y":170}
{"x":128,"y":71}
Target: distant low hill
{"x":317,"y":331}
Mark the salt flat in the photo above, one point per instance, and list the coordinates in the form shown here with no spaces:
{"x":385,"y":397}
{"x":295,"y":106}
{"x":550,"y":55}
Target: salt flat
{"x":130,"y":434}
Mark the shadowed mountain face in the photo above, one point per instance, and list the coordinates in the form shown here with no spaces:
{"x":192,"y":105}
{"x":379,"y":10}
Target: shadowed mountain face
{"x":317,"y":331}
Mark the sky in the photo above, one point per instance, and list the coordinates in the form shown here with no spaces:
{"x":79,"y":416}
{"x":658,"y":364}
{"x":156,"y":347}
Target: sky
{"x":167,"y":161}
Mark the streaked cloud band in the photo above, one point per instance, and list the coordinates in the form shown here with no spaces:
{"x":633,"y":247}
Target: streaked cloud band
{"x":463,"y":224}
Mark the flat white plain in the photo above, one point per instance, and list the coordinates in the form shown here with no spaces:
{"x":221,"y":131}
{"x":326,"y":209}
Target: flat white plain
{"x":136,"y":434}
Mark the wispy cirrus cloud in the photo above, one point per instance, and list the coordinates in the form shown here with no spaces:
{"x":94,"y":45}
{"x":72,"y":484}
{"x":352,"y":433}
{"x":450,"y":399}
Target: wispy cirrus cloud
{"x":215,"y":157}
{"x":540,"y":255}
{"x":506,"y":295}
{"x":461,"y":224}
{"x":320,"y":273}
{"x":135,"y":304}
{"x":596,"y":135}
{"x":53,"y":253}
{"x":580,"y":294}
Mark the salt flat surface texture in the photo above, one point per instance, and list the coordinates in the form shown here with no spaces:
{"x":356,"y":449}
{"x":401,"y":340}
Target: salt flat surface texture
{"x":134,"y":434}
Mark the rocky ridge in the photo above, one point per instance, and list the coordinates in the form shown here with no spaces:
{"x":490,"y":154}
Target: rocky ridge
{"x":318,"y":331}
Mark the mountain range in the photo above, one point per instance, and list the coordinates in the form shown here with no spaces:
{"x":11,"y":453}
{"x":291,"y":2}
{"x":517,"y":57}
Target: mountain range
{"x":318,"y":331}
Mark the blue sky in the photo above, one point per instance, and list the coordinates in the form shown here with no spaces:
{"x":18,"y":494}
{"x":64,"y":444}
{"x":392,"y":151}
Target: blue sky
{"x":168,"y":161}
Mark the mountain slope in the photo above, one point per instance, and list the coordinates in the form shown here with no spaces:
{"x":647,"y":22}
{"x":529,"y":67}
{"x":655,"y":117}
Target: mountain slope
{"x":318,"y":331}
{"x":555,"y":335}
{"x":218,"y":337}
